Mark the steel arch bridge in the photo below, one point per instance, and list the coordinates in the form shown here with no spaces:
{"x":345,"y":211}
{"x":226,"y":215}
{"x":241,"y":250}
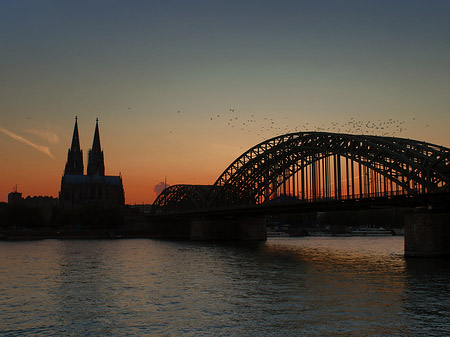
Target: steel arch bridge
{"x":317,"y":166}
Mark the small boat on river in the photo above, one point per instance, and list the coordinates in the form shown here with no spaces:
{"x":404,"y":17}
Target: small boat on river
{"x":274,"y":234}
{"x":371,"y":231}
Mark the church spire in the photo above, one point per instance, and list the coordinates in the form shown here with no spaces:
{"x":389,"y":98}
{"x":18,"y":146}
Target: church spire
{"x":96,"y":164}
{"x":74,"y":164}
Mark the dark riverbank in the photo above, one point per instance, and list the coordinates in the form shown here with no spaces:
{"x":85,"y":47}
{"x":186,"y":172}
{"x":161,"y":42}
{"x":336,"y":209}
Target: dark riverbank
{"x":21,"y":222}
{"x":87,"y":235}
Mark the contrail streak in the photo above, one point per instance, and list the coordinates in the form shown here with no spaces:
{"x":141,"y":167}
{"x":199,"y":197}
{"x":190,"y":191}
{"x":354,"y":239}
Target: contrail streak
{"x":41,"y":148}
{"x":45,"y":135}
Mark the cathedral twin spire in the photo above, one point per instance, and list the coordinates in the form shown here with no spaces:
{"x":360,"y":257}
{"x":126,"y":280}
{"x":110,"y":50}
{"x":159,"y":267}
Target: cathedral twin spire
{"x":74,"y":163}
{"x":96,"y":164}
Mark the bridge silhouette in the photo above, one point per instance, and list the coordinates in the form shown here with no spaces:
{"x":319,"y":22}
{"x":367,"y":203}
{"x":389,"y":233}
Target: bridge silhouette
{"x":313,"y":171}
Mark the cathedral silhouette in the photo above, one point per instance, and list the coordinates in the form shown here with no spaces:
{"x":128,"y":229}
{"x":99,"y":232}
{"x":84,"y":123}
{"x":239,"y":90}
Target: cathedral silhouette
{"x":78,"y":189}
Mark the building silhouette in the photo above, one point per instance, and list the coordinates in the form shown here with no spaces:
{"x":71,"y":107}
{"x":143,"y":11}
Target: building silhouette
{"x":78,"y":189}
{"x":15,"y":198}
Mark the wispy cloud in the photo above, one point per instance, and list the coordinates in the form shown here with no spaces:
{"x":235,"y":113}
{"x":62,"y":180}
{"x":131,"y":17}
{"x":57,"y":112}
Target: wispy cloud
{"x":48,"y":136}
{"x":41,"y":148}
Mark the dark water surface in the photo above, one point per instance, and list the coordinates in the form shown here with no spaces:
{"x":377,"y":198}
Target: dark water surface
{"x":286,"y":286}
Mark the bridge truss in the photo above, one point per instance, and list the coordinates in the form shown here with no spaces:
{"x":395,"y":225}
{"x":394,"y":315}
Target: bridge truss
{"x":314,"y":166}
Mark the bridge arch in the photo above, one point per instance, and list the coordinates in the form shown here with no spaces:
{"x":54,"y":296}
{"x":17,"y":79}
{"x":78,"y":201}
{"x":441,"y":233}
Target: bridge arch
{"x":181,"y":198}
{"x":319,"y":165}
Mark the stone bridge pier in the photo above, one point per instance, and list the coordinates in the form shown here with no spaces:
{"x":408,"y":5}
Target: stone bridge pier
{"x":427,"y":233}
{"x":244,"y":228}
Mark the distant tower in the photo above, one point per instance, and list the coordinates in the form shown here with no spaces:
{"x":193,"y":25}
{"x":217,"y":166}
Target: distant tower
{"x":15,"y":197}
{"x":96,"y":164}
{"x":74,"y":165}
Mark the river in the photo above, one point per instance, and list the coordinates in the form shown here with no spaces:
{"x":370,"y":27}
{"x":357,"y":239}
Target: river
{"x":311,"y":286}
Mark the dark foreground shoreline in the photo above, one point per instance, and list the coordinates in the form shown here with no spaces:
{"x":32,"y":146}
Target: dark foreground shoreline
{"x":75,"y":237}
{"x":71,"y":234}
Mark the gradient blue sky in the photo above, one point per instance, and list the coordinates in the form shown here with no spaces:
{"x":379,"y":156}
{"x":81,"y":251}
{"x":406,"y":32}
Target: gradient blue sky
{"x":281,"y":65}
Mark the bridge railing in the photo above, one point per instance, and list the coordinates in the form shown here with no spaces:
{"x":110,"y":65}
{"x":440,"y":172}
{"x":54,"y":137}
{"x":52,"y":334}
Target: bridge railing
{"x":180,"y":209}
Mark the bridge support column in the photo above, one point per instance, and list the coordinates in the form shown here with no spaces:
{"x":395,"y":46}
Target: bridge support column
{"x":211,"y":229}
{"x":427,"y":234}
{"x":252,"y":228}
{"x":229,"y":228}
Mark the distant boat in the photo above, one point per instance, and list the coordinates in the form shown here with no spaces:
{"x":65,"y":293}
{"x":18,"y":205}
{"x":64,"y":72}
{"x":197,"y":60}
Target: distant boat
{"x":371,"y":231}
{"x":277,"y":234}
{"x":319,"y":234}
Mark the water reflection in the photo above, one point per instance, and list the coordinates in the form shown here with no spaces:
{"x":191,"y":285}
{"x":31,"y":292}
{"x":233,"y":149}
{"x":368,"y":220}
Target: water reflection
{"x":346,"y":285}
{"x":85,"y":294}
{"x":28,"y":271}
{"x":427,"y":301}
{"x":304,"y":286}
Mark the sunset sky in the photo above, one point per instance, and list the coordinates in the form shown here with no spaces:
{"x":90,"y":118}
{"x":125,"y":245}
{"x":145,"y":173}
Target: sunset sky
{"x":182,"y":88}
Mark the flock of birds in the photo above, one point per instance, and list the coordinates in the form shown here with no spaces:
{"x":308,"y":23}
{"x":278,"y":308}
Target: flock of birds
{"x":267,"y":127}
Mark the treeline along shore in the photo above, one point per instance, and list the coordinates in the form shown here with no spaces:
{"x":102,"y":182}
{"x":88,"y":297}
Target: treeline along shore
{"x":92,"y":221}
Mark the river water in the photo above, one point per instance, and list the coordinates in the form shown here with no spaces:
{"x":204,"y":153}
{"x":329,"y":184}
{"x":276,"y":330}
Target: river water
{"x":313,"y":286}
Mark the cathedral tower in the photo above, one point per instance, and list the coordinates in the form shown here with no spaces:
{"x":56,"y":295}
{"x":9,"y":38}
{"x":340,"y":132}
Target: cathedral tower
{"x":96,"y":164}
{"x":77,"y":189}
{"x":74,"y":165}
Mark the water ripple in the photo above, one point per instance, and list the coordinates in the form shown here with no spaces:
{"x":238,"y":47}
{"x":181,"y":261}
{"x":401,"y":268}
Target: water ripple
{"x":287,"y":286}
